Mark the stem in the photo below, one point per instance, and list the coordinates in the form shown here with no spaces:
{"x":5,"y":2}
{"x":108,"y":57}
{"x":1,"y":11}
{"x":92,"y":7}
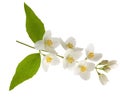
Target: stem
{"x":42,"y":53}
{"x":25,"y":44}
{"x":86,"y":58}
{"x":60,"y":56}
{"x":34,"y":48}
{"x":97,"y":70}
{"x":100,"y":68}
{"x":56,"y":54}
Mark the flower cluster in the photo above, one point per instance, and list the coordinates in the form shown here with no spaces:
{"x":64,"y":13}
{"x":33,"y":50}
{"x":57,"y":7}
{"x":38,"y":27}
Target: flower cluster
{"x":71,"y":57}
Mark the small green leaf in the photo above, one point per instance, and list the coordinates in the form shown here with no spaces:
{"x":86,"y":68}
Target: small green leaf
{"x":34,"y":26}
{"x":26,"y":69}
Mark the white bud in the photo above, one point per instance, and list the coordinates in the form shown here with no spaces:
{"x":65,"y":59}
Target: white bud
{"x":103,"y":79}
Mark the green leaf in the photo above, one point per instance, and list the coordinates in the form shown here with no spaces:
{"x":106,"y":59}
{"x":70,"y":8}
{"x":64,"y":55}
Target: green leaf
{"x":26,"y":69}
{"x":34,"y":26}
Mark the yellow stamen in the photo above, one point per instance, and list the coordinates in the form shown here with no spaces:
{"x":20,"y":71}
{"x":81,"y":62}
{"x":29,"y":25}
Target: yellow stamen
{"x":48,"y":59}
{"x":83,"y":68}
{"x":70,"y":59}
{"x":91,"y":55}
{"x":49,"y":42}
{"x":69,"y":45}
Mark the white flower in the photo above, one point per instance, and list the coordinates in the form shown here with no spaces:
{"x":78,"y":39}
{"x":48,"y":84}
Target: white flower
{"x":70,"y":57}
{"x":84,"y":68}
{"x":103,"y":79}
{"x":48,"y":43}
{"x":90,"y":53}
{"x":49,"y":59}
{"x":70,"y":43}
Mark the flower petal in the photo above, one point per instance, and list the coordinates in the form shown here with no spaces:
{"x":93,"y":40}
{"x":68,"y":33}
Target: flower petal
{"x":70,"y":58}
{"x":68,"y":52}
{"x":72,"y":41}
{"x":82,"y":63}
{"x":76,"y":70}
{"x":76,"y":53}
{"x":39,"y":45}
{"x":79,"y":49}
{"x":66,"y":64}
{"x":91,"y":66}
{"x":47,"y":35}
{"x":55,"y":60}
{"x":45,"y":65}
{"x":85,"y":75}
{"x":96,"y":57}
{"x":51,"y":50}
{"x":63,"y":43}
{"x":56,"y":42}
{"x":90,"y":48}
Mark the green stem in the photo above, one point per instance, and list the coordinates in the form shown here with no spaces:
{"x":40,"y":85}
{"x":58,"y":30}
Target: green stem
{"x":96,"y":68}
{"x":60,"y":56}
{"x":100,"y":68}
{"x":42,"y":53}
{"x":34,"y":48}
{"x":86,"y":58}
{"x":97,"y":71}
{"x":56,"y":54}
{"x":25,"y":44}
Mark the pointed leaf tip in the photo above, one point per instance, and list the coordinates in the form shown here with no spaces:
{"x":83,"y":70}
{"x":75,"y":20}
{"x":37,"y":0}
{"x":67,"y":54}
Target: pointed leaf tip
{"x":26,"y":69}
{"x":34,"y":26}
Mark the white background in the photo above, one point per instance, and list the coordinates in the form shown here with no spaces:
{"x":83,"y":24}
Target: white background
{"x":89,"y":21}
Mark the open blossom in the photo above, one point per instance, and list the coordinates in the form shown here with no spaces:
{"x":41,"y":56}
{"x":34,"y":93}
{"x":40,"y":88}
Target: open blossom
{"x":49,"y":59}
{"x":48,"y":43}
{"x":70,"y":57}
{"x":90,"y":53}
{"x":70,"y":43}
{"x":84,"y":68}
{"x":103,"y":79}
